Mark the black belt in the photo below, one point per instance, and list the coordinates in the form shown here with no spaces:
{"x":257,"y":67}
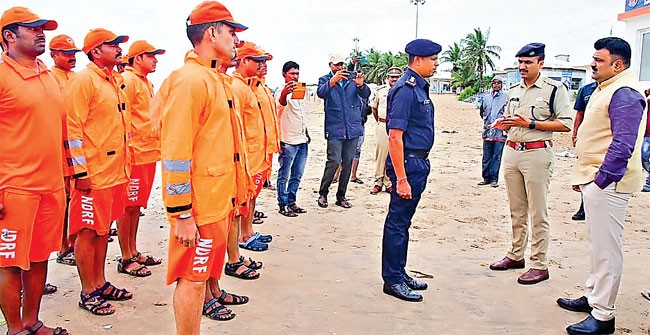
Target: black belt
{"x":423,"y":154}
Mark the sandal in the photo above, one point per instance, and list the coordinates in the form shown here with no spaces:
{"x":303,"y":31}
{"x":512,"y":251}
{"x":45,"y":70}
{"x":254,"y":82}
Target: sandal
{"x":236,"y":299}
{"x":22,"y":332}
{"x":252,"y":264}
{"x":257,"y":221}
{"x":286,"y":211}
{"x":265,"y":238}
{"x":253,"y":244}
{"x":38,"y":325}
{"x":259,"y":215}
{"x":114,"y":293}
{"x":49,"y":289}
{"x":138,"y":271}
{"x":248,"y":274}
{"x":343,"y":203}
{"x":322,"y":202}
{"x":149,"y":260}
{"x":66,"y":258}
{"x":297,"y":209}
{"x":112,"y":232}
{"x":215,"y":311}
{"x":357,"y":180}
{"x":95,"y":304}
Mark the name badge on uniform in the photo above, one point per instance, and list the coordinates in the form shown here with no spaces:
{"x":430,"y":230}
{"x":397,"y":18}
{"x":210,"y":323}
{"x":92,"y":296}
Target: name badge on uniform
{"x":426,"y":102}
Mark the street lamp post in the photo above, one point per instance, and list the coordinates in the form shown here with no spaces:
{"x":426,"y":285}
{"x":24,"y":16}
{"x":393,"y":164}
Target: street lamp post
{"x":417,"y":4}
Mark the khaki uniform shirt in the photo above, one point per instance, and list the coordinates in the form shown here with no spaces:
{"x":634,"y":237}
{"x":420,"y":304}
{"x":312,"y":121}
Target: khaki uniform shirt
{"x":380,"y":101}
{"x":534,"y":103}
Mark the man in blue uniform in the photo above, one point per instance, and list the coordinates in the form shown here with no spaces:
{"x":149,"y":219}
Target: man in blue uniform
{"x":410,"y":137}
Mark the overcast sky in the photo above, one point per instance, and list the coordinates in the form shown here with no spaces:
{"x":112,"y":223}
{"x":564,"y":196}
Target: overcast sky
{"x":307,"y":31}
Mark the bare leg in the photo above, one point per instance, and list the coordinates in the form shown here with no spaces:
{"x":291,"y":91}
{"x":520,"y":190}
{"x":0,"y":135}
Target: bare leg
{"x":233,"y":240}
{"x":247,"y":223}
{"x":124,"y":233}
{"x":188,"y":305}
{"x":355,"y":165}
{"x":33,"y":284}
{"x":66,"y":243}
{"x":85,"y":257}
{"x":135,"y":222}
{"x":10,"y":286}
{"x":101,"y":247}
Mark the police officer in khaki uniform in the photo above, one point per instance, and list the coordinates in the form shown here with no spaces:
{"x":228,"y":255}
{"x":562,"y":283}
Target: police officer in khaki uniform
{"x":537,"y":107}
{"x":379,"y":108}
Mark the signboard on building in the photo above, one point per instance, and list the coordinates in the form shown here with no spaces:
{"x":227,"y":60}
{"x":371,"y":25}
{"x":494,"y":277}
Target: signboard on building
{"x":631,"y":5}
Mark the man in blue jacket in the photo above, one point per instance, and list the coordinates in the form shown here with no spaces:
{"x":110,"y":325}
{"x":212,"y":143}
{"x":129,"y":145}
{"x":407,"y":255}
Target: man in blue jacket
{"x":342,"y":92}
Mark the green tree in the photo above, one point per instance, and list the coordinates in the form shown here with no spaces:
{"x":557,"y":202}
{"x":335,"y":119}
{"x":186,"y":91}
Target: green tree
{"x":478,"y":54}
{"x":453,"y":55}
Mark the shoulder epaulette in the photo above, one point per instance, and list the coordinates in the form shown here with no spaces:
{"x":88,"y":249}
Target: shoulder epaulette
{"x":552,"y":82}
{"x":411,"y":81}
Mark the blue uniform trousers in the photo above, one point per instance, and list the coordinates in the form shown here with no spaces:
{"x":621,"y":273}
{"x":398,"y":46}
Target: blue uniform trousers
{"x":398,"y":220}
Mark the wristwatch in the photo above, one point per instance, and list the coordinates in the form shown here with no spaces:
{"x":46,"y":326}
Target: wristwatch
{"x":185,"y":216}
{"x":531,"y":125}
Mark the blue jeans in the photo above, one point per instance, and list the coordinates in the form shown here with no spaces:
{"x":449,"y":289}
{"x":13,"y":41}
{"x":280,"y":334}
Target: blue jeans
{"x":492,"y":151}
{"x":293,"y":159}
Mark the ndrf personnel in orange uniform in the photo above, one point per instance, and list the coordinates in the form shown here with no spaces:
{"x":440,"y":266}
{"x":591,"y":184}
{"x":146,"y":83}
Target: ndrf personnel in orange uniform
{"x":63,"y":52}
{"x":199,"y":162}
{"x":32,"y":198}
{"x":146,"y":152}
{"x":250,"y":57}
{"x":97,"y":142}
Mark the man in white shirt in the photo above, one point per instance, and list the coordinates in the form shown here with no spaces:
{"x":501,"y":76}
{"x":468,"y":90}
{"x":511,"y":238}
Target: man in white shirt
{"x":294,"y":140}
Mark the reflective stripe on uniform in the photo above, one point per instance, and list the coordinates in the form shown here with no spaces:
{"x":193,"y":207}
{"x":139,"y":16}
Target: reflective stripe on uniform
{"x":73,"y":144}
{"x":79,"y":160}
{"x":178,"y":189}
{"x":171,"y":165}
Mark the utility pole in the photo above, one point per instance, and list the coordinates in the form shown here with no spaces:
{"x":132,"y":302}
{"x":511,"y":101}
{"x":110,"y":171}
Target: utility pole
{"x":417,"y":4}
{"x":356,"y":44}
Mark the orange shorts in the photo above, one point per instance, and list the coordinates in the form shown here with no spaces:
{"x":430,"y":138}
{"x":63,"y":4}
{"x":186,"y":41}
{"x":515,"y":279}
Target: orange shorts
{"x":32,"y":228}
{"x":96,"y":210}
{"x":259,"y":180}
{"x":139,"y":187}
{"x":204,"y":261}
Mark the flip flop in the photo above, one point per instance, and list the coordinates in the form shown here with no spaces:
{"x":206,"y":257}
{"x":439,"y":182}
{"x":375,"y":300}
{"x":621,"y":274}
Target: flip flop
{"x":357,"y":180}
{"x":49,"y":289}
{"x":297,"y":209}
{"x":259,"y":215}
{"x":254,"y":244}
{"x":66,"y":258}
{"x":343,"y":203}
{"x":322,"y":202}
{"x":38,"y":325}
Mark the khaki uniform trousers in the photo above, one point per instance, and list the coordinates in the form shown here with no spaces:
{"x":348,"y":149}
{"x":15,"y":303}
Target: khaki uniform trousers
{"x":381,"y":153}
{"x":527,"y":175}
{"x":605,"y":212}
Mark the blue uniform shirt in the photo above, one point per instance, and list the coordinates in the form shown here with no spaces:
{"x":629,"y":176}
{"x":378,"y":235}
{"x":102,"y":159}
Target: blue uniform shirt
{"x":583,"y":96}
{"x":411,"y":110}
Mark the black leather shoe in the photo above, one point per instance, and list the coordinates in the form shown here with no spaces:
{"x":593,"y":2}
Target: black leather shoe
{"x":578,"y":216}
{"x":591,"y":326}
{"x":575,"y":305}
{"x":415,"y":284}
{"x":401,"y":291}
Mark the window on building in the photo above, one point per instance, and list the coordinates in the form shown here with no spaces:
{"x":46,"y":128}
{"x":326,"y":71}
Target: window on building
{"x":644,"y":71}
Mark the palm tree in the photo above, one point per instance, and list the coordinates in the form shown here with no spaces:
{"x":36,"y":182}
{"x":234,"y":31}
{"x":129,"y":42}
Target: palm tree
{"x":378,"y":63}
{"x":463,"y":77}
{"x":478,"y":53}
{"x":453,"y":55}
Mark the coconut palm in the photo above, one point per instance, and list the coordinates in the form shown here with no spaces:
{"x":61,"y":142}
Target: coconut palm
{"x":478,"y":54}
{"x":453,"y":55}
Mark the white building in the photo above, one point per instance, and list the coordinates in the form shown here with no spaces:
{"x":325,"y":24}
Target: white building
{"x":637,"y":33}
{"x":559,"y":68}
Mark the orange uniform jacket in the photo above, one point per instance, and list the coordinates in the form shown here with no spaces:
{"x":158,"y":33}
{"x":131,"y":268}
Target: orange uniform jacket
{"x":251,"y":114}
{"x":31,"y":128}
{"x":198,"y":142}
{"x":62,"y":78}
{"x":139,"y":92}
{"x":267,"y":104}
{"x":97,"y":117}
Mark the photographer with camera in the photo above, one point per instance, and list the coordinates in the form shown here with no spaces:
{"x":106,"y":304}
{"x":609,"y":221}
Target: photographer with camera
{"x":342,"y":92}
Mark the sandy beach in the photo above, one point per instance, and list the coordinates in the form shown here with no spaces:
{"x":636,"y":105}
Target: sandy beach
{"x":321,"y":273}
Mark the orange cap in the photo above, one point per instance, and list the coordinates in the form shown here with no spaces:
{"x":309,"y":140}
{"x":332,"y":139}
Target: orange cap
{"x":143,"y":47}
{"x":250,"y":49}
{"x":64,"y":44}
{"x":213,"y":11}
{"x":99,"y":36}
{"x":25,"y":17}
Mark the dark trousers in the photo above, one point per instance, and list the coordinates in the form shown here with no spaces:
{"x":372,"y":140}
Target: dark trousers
{"x":492,"y":151}
{"x":338,"y":152}
{"x":398,"y":220}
